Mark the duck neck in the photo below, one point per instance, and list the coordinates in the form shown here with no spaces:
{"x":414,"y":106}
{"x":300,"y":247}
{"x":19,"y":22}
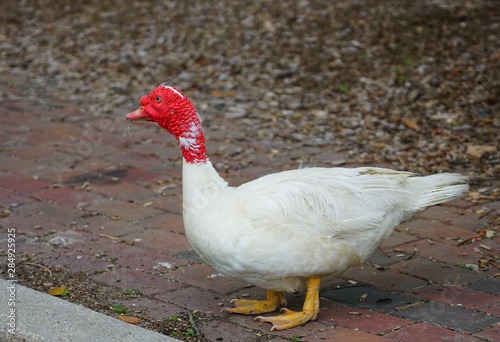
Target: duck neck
{"x":192,"y":142}
{"x":201,"y":186}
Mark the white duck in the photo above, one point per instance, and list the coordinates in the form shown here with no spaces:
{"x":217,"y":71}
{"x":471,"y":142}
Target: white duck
{"x":287,"y":231}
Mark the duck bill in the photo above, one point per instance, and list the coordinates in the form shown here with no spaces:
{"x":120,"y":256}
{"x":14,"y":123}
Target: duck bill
{"x":139,"y":115}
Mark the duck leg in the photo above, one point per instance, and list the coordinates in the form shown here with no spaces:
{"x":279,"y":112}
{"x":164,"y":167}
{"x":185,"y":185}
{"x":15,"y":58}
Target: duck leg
{"x":251,"y":307}
{"x":289,"y":318}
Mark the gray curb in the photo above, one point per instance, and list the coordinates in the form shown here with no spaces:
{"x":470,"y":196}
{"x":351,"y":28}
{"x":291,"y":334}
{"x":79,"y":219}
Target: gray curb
{"x":42,"y":317}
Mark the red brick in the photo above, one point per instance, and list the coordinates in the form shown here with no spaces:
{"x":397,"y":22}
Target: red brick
{"x":494,"y":310}
{"x":50,"y":211}
{"x":128,"y":279}
{"x":149,"y":132}
{"x":491,"y":334}
{"x":63,"y":113}
{"x":124,"y":210}
{"x":83,"y":242}
{"x":491,"y":205}
{"x":168,"y":221}
{"x":458,"y":202}
{"x":171,"y":203}
{"x":41,"y":138}
{"x":59,"y":172}
{"x":15,"y":164}
{"x":22,"y":183}
{"x":221,"y":331}
{"x":152,"y":308}
{"x":339,"y":334}
{"x":63,"y":129}
{"x":26,"y":151}
{"x":192,"y":298}
{"x":124,"y":191}
{"x":160,"y":240}
{"x":141,"y":176}
{"x":68,"y":196}
{"x":436,"y":271}
{"x":491,"y":210}
{"x":109,"y":138}
{"x":397,"y":239}
{"x":162,"y":148}
{"x":30,"y":225}
{"x":140,"y":160}
{"x":8,"y":198}
{"x":72,"y":261}
{"x":206,"y":277}
{"x":145,"y":259}
{"x":363,"y":320}
{"x":456,"y":217}
{"x":26,"y":244}
{"x":457,"y":296}
{"x":436,"y":230}
{"x":101,"y":224}
{"x":494,"y":244}
{"x":425,"y":332}
{"x":387,"y":279}
{"x":441,"y":251}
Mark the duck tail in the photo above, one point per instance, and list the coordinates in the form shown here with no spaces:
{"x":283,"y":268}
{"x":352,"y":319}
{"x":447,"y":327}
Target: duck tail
{"x":435,"y":189}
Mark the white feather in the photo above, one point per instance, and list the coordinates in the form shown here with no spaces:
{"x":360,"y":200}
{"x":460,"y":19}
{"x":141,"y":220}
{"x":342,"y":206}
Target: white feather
{"x":278,"y":230}
{"x":164,"y":85}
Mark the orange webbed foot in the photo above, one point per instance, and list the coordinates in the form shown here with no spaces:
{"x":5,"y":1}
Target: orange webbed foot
{"x":289,"y":319}
{"x":253,"y":307}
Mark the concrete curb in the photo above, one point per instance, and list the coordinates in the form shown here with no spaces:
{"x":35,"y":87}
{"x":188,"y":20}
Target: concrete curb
{"x":42,"y":317}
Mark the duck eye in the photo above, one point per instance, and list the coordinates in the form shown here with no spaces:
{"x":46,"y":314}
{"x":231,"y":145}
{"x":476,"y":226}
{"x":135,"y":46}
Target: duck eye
{"x":158,"y":99}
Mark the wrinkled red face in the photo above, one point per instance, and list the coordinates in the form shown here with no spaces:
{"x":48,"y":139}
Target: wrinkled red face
{"x":167,"y":106}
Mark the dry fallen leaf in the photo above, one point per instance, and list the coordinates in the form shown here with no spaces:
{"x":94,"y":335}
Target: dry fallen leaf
{"x":494,"y":57}
{"x":222,"y":94}
{"x":412,"y":125}
{"x":128,"y":319}
{"x":59,"y":291}
{"x":478,"y":151}
{"x":474,"y":195}
{"x":485,"y":247}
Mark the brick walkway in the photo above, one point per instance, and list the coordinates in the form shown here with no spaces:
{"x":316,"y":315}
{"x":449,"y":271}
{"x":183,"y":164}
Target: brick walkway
{"x":80,"y":190}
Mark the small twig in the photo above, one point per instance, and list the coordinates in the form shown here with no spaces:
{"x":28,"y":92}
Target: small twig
{"x":407,"y":306}
{"x":193,"y":325}
{"x":33,"y":264}
{"x":484,"y":214}
{"x":386,"y":254}
{"x":471,"y":238}
{"x":109,"y":237}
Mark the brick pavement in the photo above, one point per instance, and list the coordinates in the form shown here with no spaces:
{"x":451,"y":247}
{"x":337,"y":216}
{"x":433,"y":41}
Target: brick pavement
{"x":79,"y":191}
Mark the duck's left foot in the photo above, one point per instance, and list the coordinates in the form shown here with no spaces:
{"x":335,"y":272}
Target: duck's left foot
{"x":288,"y":319}
{"x":254,"y":307}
